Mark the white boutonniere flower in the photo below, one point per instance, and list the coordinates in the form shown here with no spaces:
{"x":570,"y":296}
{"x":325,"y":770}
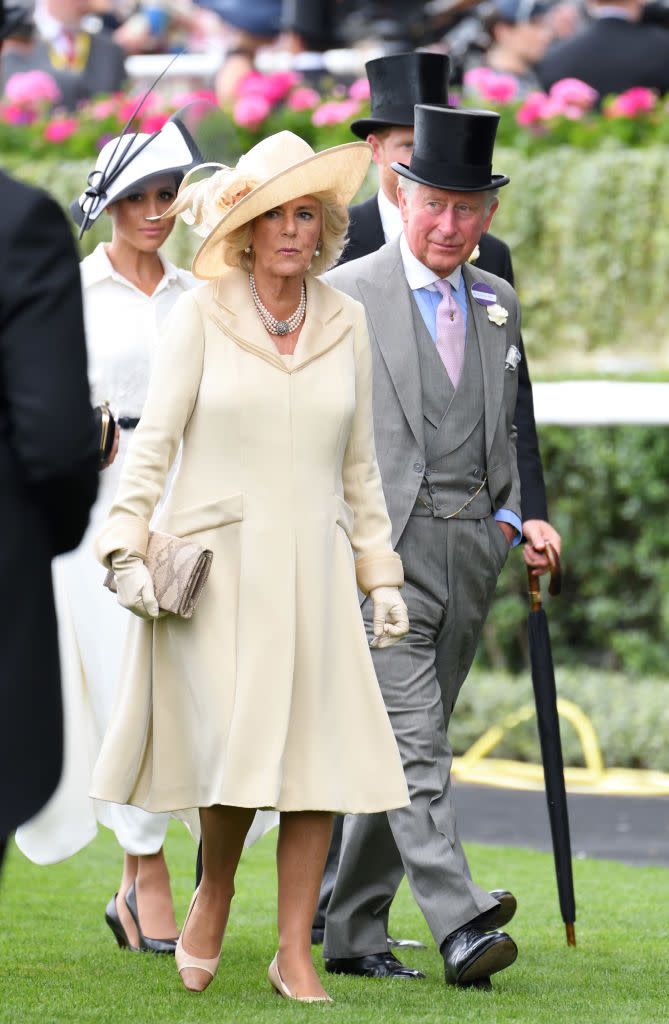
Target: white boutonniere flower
{"x":497,"y":314}
{"x":475,"y":255}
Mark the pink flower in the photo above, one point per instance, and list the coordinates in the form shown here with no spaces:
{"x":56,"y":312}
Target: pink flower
{"x":15,"y":113}
{"x":491,"y":85}
{"x":632,"y":102}
{"x":303,"y":99}
{"x":573,"y":92}
{"x":153,"y":123}
{"x":335,"y":113}
{"x":271,"y":87}
{"x":360,"y":90}
{"x":182,"y":99}
{"x":103,"y":109}
{"x":531,"y":110}
{"x":32,"y":87}
{"x":61,"y":129}
{"x":250,"y":111}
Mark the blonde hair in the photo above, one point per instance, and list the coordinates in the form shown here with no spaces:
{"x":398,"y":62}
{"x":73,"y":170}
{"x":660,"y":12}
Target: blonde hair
{"x":334,"y":225}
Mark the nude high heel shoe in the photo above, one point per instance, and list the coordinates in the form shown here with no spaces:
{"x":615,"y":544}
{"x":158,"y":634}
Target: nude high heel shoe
{"x":281,"y":989}
{"x":186,"y":960}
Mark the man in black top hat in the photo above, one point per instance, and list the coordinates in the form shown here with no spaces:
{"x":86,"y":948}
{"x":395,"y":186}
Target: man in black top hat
{"x":397,"y":83}
{"x":445,"y":344}
{"x":48,"y":477}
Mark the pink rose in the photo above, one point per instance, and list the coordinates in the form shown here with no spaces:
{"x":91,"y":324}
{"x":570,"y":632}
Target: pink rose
{"x":61,"y":129}
{"x":479,"y":78}
{"x":279,"y":85}
{"x":182,"y":99}
{"x":103,"y":109}
{"x":531,"y":109}
{"x":491,"y":85}
{"x":303,"y":99}
{"x":153,"y":123}
{"x":271,"y":87}
{"x":632,"y":102}
{"x":32,"y":87}
{"x":360,"y":90}
{"x":573,"y":92}
{"x":15,"y":113}
{"x":335,"y":113}
{"x":250,"y":111}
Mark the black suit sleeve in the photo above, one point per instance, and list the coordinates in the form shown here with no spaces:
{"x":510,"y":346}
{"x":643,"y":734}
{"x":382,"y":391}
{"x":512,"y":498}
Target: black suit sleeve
{"x":49,"y":421}
{"x":496,"y":258}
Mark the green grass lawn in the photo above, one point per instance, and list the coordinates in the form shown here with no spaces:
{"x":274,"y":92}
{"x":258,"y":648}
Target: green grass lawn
{"x":59,"y":962}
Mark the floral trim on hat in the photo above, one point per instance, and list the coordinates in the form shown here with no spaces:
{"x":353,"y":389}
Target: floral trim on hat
{"x":202,"y":204}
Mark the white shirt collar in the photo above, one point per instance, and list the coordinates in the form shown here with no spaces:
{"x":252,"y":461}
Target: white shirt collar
{"x":98,"y":267}
{"x":47,"y":26}
{"x":391,"y":218}
{"x":420,"y":276}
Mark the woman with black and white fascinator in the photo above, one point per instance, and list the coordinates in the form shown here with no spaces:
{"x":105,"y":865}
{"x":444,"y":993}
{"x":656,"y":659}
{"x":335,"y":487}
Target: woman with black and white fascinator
{"x":129,"y":288}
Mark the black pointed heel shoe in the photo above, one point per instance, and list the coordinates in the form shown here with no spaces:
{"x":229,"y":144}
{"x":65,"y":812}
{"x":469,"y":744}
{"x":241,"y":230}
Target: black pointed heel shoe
{"x":114,"y":922}
{"x":146,"y":944}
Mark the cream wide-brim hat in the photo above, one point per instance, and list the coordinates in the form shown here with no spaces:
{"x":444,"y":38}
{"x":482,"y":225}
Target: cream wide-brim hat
{"x":280,"y":168}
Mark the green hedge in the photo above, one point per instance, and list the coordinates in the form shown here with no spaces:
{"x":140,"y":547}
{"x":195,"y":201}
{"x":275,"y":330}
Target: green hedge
{"x":630,"y":716}
{"x":590,"y":242}
{"x":608,"y":498}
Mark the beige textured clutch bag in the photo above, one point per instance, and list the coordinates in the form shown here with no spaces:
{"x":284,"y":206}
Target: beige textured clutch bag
{"x":179,"y":569}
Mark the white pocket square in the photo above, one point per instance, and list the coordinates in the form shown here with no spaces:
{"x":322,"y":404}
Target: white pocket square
{"x":513,"y":357}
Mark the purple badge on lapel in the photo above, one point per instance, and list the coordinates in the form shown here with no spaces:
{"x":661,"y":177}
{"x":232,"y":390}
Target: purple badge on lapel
{"x":483,"y":294}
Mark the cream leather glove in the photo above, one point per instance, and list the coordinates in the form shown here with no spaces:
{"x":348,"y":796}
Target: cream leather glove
{"x":134,"y":586}
{"x":391,"y":618}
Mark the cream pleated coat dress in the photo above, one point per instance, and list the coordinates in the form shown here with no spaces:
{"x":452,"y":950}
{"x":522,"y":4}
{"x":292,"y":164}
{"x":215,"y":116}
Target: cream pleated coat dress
{"x":267,"y":697}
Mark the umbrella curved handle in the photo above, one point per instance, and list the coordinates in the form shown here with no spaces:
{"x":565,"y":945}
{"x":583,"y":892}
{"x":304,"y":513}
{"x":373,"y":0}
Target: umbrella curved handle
{"x":555,"y":585}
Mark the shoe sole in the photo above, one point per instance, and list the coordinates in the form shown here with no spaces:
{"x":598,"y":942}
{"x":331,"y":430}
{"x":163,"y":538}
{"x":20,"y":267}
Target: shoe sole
{"x":496,"y":958}
{"x":499,"y":916}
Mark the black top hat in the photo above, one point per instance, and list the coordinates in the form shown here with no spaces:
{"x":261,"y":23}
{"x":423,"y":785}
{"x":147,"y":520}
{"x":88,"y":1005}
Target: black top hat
{"x":452,"y":149}
{"x":397,"y":83}
{"x":11,"y":16}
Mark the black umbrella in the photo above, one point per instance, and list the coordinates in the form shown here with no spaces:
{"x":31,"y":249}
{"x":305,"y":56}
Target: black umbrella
{"x":548,"y":723}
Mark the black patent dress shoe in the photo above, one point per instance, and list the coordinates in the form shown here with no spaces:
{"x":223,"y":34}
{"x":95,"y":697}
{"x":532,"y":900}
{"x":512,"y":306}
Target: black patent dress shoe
{"x":146,"y":944}
{"x":376,"y":965}
{"x":114,"y":922}
{"x":470,"y":954}
{"x":497,"y":917}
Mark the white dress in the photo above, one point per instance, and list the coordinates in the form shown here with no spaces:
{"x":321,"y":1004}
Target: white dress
{"x":122,"y":328}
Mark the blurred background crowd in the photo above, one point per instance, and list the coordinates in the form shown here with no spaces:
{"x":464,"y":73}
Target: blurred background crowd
{"x":612,"y":45}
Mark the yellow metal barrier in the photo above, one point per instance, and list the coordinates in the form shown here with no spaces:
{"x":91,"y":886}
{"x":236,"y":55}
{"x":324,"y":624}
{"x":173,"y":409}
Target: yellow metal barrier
{"x":475,"y":765}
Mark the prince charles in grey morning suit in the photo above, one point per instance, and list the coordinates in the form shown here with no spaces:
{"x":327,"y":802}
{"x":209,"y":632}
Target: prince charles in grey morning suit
{"x":448,"y":463}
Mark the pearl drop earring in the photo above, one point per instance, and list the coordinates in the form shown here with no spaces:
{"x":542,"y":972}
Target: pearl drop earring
{"x":248,"y":250}
{"x":317,"y":250}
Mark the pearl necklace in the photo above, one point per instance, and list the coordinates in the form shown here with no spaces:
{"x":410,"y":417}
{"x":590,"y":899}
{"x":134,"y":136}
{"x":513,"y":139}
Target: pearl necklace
{"x":273,"y":325}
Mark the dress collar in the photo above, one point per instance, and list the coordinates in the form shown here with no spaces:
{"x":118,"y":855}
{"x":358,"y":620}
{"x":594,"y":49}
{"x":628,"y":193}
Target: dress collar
{"x":98,"y":267}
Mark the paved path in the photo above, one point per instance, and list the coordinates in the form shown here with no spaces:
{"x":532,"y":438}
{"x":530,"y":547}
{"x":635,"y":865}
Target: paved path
{"x":630,"y":829}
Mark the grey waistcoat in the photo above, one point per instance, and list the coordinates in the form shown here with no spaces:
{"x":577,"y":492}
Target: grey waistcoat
{"x":454,"y":431}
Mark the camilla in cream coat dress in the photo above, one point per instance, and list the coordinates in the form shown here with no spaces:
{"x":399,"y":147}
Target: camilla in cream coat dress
{"x":267,"y":697}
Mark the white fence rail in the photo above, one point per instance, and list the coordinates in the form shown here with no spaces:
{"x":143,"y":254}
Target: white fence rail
{"x":601,"y":403}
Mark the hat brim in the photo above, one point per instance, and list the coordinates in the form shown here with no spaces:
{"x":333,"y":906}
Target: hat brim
{"x":496,"y":181}
{"x":365,"y":126}
{"x":341,"y":169}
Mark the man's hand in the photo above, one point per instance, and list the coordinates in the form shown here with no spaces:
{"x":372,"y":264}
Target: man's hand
{"x":508,"y":530}
{"x":537,"y":533}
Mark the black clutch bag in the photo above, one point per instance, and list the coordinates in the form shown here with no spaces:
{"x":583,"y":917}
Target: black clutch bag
{"x":106,"y":431}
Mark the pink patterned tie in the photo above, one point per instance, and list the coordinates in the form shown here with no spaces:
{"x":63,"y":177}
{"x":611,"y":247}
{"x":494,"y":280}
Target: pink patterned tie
{"x":450,"y":332}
